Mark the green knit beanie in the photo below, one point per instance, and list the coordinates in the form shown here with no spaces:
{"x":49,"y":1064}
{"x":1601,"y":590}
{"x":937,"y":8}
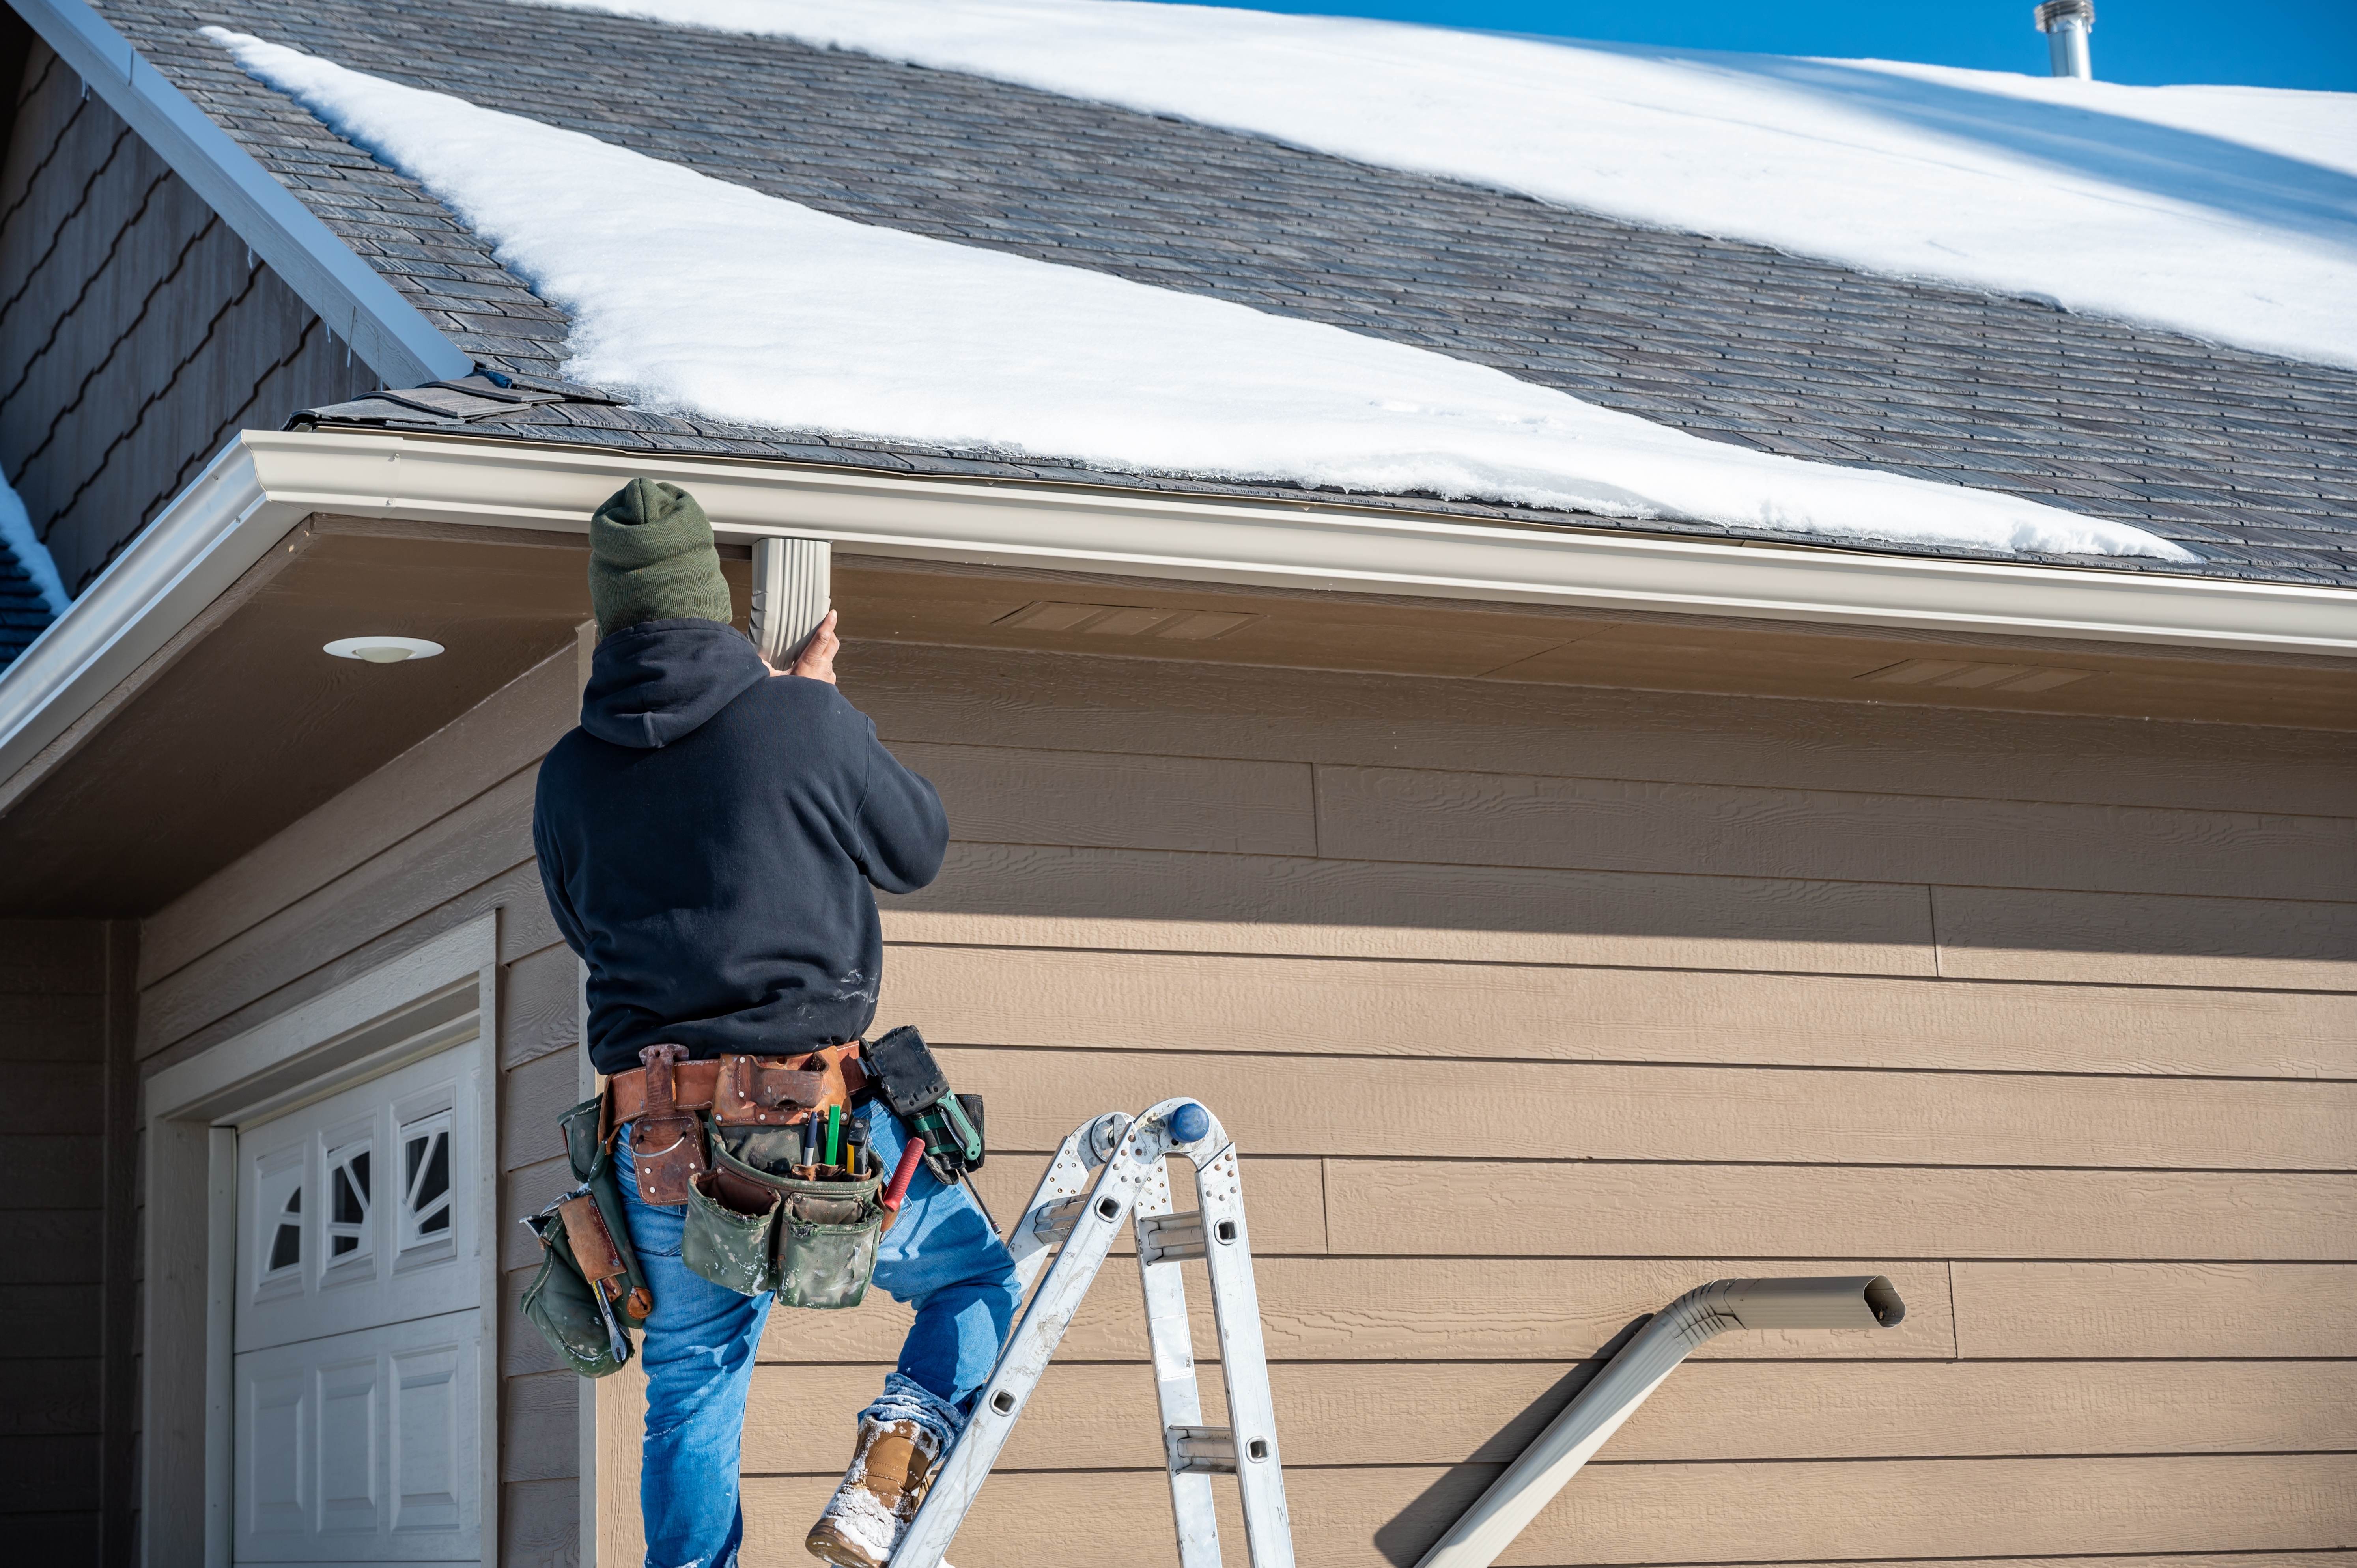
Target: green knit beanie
{"x":651,"y":558}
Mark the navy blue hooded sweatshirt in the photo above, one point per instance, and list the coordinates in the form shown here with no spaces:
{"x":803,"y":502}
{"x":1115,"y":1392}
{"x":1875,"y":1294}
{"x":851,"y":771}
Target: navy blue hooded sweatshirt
{"x":707,"y":838}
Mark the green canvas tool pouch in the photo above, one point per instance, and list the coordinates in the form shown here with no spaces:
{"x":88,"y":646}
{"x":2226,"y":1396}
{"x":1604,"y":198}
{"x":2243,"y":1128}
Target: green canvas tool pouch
{"x":589,"y":1292}
{"x":824,"y":1265}
{"x":821,"y":1235}
{"x":579,"y":1324}
{"x":593,"y":1166}
{"x":728,"y":1247}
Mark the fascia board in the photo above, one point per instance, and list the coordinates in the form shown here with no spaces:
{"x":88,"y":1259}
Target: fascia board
{"x":1209,"y":539}
{"x":214,"y":531}
{"x":391,"y":335}
{"x":266,"y":481}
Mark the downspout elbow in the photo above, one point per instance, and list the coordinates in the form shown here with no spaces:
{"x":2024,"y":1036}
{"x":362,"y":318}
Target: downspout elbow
{"x":1532,"y":1481}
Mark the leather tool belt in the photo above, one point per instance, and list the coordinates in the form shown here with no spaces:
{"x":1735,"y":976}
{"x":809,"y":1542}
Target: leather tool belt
{"x":662,"y":1099}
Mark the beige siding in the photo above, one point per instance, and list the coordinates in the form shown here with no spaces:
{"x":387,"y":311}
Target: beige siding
{"x":438,"y":837}
{"x":2051,"y":1021}
{"x":1532,"y":1007}
{"x":1669,"y":1511}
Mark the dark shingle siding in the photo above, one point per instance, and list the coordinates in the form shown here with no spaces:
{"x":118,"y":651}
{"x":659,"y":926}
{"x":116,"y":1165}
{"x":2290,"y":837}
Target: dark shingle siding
{"x":2246,"y":458}
{"x":136,"y":333}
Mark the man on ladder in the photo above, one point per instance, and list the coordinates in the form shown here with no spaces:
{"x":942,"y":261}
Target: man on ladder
{"x":708,"y":838}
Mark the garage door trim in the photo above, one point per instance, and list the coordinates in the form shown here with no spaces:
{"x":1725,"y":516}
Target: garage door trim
{"x":440,"y":995}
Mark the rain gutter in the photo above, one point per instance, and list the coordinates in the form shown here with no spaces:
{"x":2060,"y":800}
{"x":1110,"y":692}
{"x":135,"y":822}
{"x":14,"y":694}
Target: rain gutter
{"x":264,"y":482}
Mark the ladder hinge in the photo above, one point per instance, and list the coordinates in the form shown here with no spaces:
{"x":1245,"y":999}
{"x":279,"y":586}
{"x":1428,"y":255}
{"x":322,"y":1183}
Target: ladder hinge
{"x":1170,"y":1239}
{"x":1201,"y":1450}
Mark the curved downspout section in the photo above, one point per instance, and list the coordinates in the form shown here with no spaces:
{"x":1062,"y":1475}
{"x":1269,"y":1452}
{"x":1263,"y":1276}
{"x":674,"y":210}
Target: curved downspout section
{"x":793,"y":587}
{"x":1514,"y":1498}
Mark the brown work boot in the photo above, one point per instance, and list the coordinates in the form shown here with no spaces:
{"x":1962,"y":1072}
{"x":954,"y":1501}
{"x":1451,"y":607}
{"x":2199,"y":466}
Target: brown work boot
{"x":869,"y":1512}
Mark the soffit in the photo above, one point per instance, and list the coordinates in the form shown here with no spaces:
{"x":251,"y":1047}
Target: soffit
{"x":1091,"y":614}
{"x":241,"y":727}
{"x":227,"y":736}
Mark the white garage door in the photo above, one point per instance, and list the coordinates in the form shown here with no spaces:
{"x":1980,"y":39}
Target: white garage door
{"x":360,"y":1332}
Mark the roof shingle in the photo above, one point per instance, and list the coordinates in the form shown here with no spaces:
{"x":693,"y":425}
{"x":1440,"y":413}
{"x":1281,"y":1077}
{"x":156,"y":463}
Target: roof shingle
{"x":2245,"y":459}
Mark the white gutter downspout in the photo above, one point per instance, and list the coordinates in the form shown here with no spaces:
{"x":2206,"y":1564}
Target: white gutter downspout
{"x":792,"y":590}
{"x":1531,"y":1482}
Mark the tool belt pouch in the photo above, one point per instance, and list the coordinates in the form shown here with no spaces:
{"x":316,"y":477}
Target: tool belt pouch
{"x":725,"y":1238}
{"x":586,"y":1255}
{"x":826,"y":1263}
{"x":593,"y":1168}
{"x":558,"y":1303}
{"x":822,"y":1235}
{"x":903,"y":1072}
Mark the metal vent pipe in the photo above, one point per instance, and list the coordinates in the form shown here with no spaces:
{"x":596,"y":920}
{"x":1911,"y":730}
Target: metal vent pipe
{"x":2066,"y":24}
{"x":1531,"y":1482}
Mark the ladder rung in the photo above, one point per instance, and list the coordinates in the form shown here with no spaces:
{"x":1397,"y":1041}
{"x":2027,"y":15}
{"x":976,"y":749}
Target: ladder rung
{"x":1170,"y":1238}
{"x":1201,"y":1450}
{"x":1054,"y":1221}
{"x":1079,"y":1230}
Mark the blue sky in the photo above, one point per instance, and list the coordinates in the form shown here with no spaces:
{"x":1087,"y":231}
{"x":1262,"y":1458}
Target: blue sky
{"x":2279,"y":43}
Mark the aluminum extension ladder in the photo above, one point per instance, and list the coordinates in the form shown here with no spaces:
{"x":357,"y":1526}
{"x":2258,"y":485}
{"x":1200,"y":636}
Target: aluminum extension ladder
{"x":1077,"y":1216}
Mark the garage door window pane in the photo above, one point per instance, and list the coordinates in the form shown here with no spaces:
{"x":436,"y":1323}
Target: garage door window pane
{"x":348,"y":1196}
{"x":286,"y":1243}
{"x":425,"y":1178}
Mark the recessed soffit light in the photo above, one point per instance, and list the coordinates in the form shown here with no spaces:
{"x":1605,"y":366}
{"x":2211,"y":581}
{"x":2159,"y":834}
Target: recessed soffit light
{"x":383,"y":649}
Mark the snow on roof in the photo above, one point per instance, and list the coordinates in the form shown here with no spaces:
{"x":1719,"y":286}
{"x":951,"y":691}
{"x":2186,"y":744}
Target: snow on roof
{"x":692,"y":294}
{"x":2226,"y":212}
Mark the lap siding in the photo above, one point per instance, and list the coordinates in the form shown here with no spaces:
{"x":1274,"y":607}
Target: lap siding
{"x":2049,"y":1019}
{"x":58,"y":1262}
{"x":1682,"y":1513}
{"x":1242,"y":1001}
{"x":437,"y":838}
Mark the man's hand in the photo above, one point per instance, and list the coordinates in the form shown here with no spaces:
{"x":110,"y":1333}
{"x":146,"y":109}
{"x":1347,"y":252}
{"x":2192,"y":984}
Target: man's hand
{"x":817,"y":660}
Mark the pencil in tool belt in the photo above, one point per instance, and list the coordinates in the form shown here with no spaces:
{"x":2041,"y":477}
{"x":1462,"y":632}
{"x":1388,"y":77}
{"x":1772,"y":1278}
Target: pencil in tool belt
{"x":833,"y":1133}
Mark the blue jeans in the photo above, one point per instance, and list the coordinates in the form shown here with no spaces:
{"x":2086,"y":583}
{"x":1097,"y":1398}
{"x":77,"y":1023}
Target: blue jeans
{"x":942,"y":1255}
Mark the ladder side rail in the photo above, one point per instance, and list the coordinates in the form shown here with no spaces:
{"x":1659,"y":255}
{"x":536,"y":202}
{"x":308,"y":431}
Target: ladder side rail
{"x":1170,"y":1341}
{"x":1243,"y":1353}
{"x":1030,"y":1240}
{"x":1025,"y":1356}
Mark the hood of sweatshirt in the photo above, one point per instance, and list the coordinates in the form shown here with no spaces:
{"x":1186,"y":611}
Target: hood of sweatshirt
{"x":655,"y":681}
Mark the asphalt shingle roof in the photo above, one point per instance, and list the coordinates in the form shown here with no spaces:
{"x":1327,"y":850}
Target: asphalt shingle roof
{"x":2248,"y":459}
